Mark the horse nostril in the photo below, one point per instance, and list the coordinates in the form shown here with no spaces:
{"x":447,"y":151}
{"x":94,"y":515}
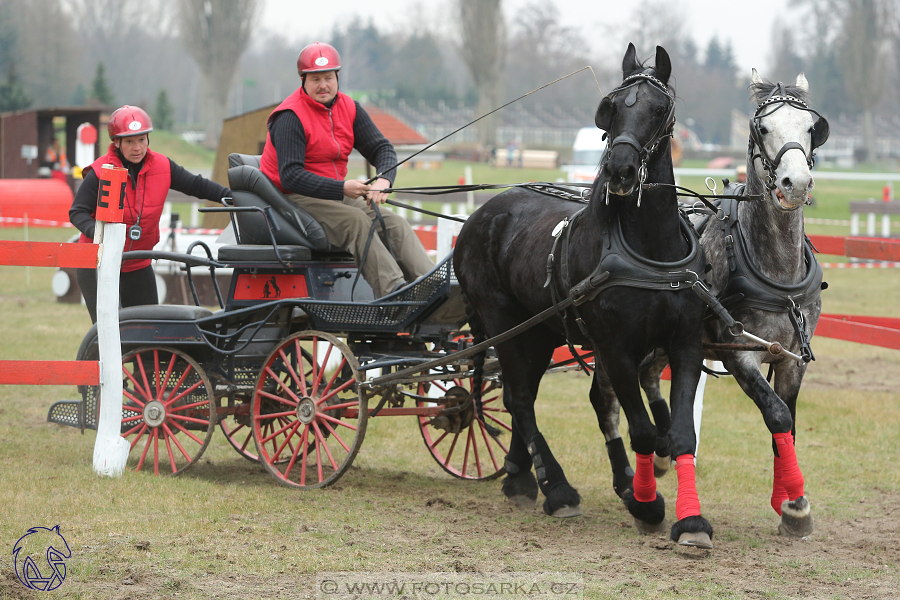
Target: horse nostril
{"x":626,"y":173}
{"x":786,"y":183}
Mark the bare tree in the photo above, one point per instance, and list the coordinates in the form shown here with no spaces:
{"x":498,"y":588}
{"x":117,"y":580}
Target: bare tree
{"x":44,"y":50}
{"x":483,"y":49}
{"x":861,"y":63}
{"x":216,"y":34}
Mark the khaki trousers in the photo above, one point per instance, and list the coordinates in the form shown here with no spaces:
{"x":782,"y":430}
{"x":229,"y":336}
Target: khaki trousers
{"x":347,"y":223}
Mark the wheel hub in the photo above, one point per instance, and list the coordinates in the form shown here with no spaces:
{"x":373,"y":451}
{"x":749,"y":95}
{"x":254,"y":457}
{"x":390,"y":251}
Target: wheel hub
{"x":306,"y":410}
{"x":154,"y":413}
{"x":457,"y":421}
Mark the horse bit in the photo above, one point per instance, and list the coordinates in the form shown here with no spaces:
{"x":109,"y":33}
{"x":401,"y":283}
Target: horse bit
{"x":819,"y":134}
{"x":663,"y":131}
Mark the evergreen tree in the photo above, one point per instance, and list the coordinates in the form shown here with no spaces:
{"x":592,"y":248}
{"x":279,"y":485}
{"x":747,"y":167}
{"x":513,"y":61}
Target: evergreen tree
{"x":100,"y":89}
{"x":12,"y":94}
{"x":163,"y":112}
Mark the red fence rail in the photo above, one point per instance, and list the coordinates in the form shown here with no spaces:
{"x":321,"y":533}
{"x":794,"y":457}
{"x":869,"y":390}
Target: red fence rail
{"x":885,"y":249}
{"x":49,"y":372}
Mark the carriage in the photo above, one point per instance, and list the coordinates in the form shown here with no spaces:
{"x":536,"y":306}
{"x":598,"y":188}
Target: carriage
{"x":288,"y":367}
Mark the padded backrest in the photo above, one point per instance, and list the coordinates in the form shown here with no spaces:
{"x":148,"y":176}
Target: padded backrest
{"x":235,"y":159}
{"x":250,"y":187}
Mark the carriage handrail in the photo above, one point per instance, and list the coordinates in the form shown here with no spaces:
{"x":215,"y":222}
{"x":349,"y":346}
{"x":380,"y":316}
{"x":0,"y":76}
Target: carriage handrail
{"x":271,"y":224}
{"x":212,"y":274}
{"x":187,"y":259}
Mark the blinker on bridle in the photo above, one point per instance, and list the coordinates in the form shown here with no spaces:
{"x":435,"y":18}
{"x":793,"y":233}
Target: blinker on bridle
{"x":779,"y":97}
{"x":632,"y":83}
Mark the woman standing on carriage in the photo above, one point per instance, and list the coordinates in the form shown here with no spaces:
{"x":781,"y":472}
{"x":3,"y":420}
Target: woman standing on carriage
{"x":150,"y":177}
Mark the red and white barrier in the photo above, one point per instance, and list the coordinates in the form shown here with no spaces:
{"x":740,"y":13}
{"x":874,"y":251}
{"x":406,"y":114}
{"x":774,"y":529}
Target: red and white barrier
{"x":110,"y":448}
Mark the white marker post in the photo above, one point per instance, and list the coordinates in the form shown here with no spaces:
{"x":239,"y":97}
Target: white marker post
{"x":110,"y":448}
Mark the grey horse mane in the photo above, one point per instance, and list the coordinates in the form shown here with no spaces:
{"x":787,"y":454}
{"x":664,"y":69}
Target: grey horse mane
{"x":759,"y":91}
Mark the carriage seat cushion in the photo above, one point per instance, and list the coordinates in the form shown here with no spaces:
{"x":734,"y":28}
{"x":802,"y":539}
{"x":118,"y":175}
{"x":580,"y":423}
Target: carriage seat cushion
{"x":263,"y":253}
{"x":164,"y":312}
{"x":251,"y":187}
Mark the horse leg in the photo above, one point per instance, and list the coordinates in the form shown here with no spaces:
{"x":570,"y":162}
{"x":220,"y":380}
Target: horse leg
{"x":646,"y":505}
{"x":606,"y":407}
{"x":523,"y":361}
{"x":691,"y":529}
{"x":650,"y":374}
{"x":787,"y":486}
{"x":519,"y":486}
{"x":796,"y":513}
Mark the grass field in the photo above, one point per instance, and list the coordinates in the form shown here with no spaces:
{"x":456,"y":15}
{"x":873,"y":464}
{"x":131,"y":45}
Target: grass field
{"x":226,"y":529}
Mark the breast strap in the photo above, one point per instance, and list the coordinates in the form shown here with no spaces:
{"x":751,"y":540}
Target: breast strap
{"x":748,"y":287}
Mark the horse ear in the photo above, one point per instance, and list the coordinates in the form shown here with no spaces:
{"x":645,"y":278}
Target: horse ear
{"x":663,"y":65}
{"x":802,"y":83}
{"x":630,"y":65}
{"x":603,"y":117}
{"x":820,"y":132}
{"x":755,"y":78}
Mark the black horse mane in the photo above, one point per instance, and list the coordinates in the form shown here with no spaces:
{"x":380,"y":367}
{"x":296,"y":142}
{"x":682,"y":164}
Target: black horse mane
{"x":760,"y":91}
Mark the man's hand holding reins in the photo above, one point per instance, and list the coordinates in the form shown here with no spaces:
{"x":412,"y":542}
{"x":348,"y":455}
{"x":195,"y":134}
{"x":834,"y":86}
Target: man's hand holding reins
{"x":375,"y":195}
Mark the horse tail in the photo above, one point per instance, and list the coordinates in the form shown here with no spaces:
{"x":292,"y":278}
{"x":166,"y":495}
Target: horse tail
{"x":478,"y":336}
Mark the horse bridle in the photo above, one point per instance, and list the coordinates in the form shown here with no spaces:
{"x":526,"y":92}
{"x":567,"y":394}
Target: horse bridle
{"x":780,"y":98}
{"x":663,"y":131}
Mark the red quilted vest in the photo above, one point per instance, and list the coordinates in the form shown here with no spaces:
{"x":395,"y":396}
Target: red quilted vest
{"x":329,"y":136}
{"x":144,"y":201}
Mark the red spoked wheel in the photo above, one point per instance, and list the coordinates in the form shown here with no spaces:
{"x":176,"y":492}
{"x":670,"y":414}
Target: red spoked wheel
{"x":461,"y":444}
{"x":168,"y":412}
{"x":307,"y":413}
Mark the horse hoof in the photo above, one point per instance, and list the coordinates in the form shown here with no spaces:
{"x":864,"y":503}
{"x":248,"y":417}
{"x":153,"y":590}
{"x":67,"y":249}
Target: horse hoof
{"x":521,"y":501}
{"x":661,"y":465}
{"x":796,"y":518}
{"x":697,"y":539}
{"x":567,"y":511}
{"x":645,"y":528}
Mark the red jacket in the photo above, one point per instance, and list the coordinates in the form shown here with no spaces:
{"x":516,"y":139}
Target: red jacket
{"x":329,"y":136}
{"x":144,"y":201}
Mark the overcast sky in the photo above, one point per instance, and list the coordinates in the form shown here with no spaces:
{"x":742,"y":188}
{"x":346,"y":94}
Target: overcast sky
{"x":747,"y":25}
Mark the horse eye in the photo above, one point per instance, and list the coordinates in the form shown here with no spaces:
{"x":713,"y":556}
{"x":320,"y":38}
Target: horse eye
{"x":763,"y":130}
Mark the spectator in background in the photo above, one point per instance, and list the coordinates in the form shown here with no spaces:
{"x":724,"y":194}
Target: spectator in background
{"x":55,"y":157}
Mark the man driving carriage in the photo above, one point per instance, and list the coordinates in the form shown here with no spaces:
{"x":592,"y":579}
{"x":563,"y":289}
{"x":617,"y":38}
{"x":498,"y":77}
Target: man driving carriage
{"x":310,"y":137}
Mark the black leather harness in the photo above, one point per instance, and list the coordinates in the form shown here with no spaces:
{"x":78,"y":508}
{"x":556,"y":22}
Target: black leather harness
{"x":747,"y":287}
{"x":620,"y":265}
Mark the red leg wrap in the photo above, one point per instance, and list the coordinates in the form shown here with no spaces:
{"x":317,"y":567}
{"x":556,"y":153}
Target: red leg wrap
{"x":688,"y":503}
{"x":644,"y":482}
{"x":791,"y":477}
{"x":779,"y":494}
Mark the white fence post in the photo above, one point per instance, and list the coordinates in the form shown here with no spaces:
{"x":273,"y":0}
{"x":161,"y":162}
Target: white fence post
{"x":110,"y":448}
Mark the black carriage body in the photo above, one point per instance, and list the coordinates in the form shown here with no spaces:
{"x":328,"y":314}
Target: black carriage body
{"x":227,"y":363}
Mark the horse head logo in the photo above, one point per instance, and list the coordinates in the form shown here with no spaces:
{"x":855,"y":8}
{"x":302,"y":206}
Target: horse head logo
{"x":51,"y":549}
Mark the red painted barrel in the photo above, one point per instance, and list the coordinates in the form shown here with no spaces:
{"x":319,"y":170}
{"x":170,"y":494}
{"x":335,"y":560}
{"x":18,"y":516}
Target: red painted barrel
{"x":45,"y":199}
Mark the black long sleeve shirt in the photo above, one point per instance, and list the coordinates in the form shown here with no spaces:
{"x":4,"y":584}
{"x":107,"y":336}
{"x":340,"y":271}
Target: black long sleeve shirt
{"x":289,"y":139}
{"x":84,"y":205}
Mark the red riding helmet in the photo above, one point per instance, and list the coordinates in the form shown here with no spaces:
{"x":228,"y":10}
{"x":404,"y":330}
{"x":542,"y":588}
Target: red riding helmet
{"x":128,"y":120}
{"x":317,"y":58}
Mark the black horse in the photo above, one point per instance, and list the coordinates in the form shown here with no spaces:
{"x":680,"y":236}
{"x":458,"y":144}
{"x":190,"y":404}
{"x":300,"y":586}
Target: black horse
{"x":633,"y":261}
